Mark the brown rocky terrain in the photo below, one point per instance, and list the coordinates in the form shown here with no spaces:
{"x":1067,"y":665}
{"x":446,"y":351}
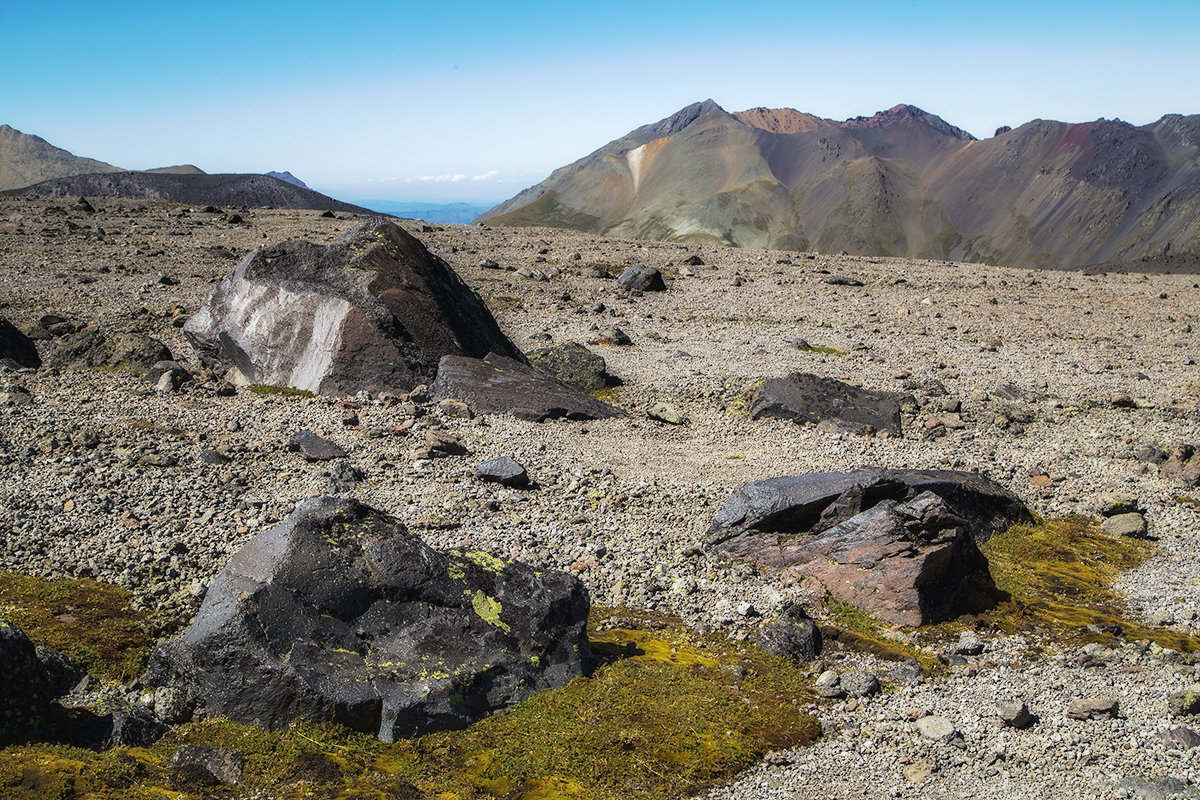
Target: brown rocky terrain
{"x":902,"y":182}
{"x":1062,"y":387}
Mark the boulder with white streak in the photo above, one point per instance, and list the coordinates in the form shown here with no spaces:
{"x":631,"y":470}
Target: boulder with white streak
{"x":374,"y":311}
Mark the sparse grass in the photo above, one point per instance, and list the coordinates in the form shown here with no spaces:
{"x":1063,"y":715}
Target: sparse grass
{"x":88,"y":620}
{"x":1187,"y":500}
{"x":281,"y":391}
{"x":860,"y":632}
{"x":664,"y":716}
{"x":832,"y":351}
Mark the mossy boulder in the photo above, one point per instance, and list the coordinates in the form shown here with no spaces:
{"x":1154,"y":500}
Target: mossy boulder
{"x":93,"y":348}
{"x":572,"y":364}
{"x":340,"y":613}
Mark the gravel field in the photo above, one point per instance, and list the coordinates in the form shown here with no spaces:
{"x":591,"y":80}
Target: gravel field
{"x":1063,"y":378}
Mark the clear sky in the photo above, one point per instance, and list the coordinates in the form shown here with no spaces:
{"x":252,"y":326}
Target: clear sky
{"x":477,"y":100}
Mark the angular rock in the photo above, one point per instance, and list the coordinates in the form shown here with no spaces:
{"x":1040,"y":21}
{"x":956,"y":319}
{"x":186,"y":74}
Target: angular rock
{"x":1132,"y":524}
{"x":642,"y":278}
{"x":1185,"y":701}
{"x":858,"y":683}
{"x":572,"y":364}
{"x":901,"y":545}
{"x":1093,"y":708}
{"x":208,"y":765}
{"x":1180,"y":738}
{"x":793,"y":636}
{"x":91,"y":348}
{"x":829,"y":684}
{"x":665,"y":412}
{"x":1183,"y":465}
{"x":501,"y":385}
{"x":804,"y":397}
{"x":1014,"y":714}
{"x":344,"y":477}
{"x":315,"y":448}
{"x":445,"y":443}
{"x":373,"y":311}
{"x":503,"y":470}
{"x":395,"y":638}
{"x":126,"y":727}
{"x":817,"y":501}
{"x":27,"y":689}
{"x":17,"y":347}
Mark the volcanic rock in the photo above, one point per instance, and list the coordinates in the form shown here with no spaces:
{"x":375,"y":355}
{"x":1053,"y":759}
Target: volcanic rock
{"x":573,"y":364}
{"x":315,"y":448}
{"x":208,"y":765}
{"x":642,"y":278}
{"x":17,"y":347}
{"x":395,"y":638}
{"x":901,"y":545}
{"x":805,"y":397}
{"x":92,"y":348}
{"x":496,"y":384}
{"x":25,"y":698}
{"x":793,"y":636}
{"x":373,"y":311}
{"x":504,"y":470}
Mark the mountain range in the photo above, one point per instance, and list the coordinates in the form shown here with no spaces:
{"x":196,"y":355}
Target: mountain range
{"x":902,"y":182}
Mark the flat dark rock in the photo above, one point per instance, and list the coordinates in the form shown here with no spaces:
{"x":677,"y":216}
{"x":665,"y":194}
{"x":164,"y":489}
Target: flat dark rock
{"x":18,"y":347}
{"x":315,"y":448}
{"x":504,"y":470}
{"x":501,"y":385}
{"x":394,"y":638}
{"x":804,"y":397}
{"x":805,"y":503}
{"x":373,"y":311}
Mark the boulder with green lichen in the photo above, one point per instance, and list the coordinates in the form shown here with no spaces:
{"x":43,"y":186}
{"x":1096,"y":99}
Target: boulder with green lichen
{"x":339,"y":613}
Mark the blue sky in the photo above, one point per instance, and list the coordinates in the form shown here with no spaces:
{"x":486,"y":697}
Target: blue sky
{"x":476,"y":100}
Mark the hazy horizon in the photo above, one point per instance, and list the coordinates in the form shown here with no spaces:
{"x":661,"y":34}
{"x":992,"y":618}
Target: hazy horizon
{"x":477,"y":101}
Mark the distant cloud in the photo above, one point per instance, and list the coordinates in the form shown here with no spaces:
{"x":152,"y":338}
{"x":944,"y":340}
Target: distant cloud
{"x":489,"y":174}
{"x":436,"y":178}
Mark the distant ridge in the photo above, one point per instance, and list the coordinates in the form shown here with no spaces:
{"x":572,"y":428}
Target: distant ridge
{"x":26,"y":159}
{"x":259,"y":191}
{"x":289,"y":177}
{"x":902,"y":182}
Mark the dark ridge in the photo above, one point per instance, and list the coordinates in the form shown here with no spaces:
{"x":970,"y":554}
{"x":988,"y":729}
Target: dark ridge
{"x":254,"y":191}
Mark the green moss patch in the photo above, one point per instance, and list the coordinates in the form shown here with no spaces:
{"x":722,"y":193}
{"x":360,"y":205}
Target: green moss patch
{"x":665,"y":715}
{"x":281,"y":391}
{"x":1057,"y":577}
{"x":88,"y":620}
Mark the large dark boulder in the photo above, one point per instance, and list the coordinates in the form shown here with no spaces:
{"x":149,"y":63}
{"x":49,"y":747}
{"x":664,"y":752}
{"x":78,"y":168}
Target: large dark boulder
{"x":373,"y":311}
{"x":643,"y":279}
{"x":17,"y":347}
{"x":501,"y":385}
{"x":93,"y":348}
{"x":804,"y":397}
{"x":901,"y":545}
{"x":573,"y":364}
{"x":27,"y":690}
{"x":340,"y":613}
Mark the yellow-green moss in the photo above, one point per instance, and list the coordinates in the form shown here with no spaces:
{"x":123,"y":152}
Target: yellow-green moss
{"x":662,"y":717}
{"x":88,"y":620}
{"x":282,"y":391}
{"x":609,"y":394}
{"x":1057,"y":576}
